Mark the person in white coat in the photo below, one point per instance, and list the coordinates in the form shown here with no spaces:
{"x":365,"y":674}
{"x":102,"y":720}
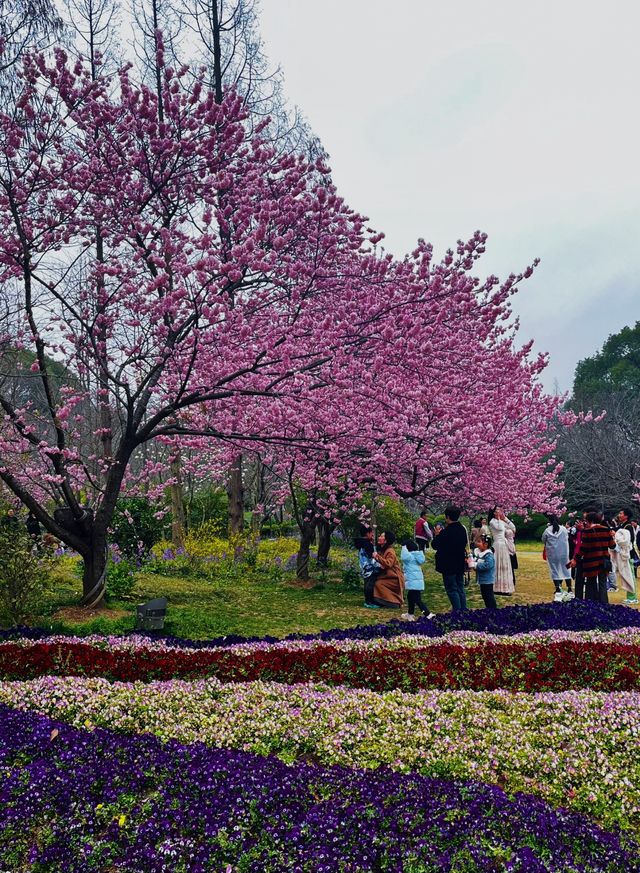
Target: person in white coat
{"x":498,"y":524}
{"x":621,"y":557}
{"x":556,"y":545}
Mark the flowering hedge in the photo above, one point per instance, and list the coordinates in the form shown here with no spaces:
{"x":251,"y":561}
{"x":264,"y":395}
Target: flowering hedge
{"x":554,"y":666}
{"x":574,"y":749}
{"x":76,"y":801}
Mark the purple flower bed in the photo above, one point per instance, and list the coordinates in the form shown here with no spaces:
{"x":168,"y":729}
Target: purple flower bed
{"x":78,"y":801}
{"x":577,"y":615}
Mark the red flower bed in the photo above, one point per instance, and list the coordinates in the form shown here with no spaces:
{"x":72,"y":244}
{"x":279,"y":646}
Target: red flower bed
{"x":554,"y":667}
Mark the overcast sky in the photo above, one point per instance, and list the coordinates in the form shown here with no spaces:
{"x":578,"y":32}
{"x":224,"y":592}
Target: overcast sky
{"x":521,"y":120}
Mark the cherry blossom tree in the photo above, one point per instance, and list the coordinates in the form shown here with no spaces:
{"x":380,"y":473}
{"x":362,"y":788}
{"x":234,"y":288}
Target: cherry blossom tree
{"x":441,"y":406}
{"x":191,"y":319}
{"x":205,"y":291}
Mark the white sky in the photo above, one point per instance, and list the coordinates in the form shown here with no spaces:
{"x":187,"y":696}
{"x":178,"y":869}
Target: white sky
{"x":521,"y":120}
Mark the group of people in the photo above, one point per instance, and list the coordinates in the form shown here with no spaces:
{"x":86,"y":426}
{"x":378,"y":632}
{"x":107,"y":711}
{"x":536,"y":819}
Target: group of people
{"x":593,"y":553}
{"x":490,"y":552}
{"x":386,"y":577}
{"x":590,"y":554}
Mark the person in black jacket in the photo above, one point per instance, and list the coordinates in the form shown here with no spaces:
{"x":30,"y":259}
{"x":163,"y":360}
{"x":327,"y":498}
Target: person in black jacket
{"x":450,"y":544}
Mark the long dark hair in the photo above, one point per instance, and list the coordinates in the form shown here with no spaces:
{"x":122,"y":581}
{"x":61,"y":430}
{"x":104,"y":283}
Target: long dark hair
{"x":553,"y":521}
{"x":389,"y":540}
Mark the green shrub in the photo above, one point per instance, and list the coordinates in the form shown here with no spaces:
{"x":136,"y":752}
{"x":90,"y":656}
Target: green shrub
{"x":23,"y":574}
{"x":530,"y":528}
{"x":135,"y":528}
{"x":272,"y":571}
{"x":121,"y":579}
{"x":351,"y":578}
{"x":391,"y":514}
{"x":279,"y":529}
{"x":209,"y":507}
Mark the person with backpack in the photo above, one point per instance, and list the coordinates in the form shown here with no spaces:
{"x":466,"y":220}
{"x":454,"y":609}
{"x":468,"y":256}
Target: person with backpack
{"x":412,"y":558}
{"x":369,"y":567}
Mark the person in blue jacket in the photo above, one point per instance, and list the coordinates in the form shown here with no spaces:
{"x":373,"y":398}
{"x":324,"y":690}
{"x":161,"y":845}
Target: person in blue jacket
{"x":486,"y":572}
{"x":369,"y":567}
{"x":412,"y":558}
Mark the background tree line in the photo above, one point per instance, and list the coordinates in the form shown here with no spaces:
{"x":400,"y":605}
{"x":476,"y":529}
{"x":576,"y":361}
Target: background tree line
{"x":602,"y":456}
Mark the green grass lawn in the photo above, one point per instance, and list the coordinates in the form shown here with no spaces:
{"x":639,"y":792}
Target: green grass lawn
{"x":250,"y":601}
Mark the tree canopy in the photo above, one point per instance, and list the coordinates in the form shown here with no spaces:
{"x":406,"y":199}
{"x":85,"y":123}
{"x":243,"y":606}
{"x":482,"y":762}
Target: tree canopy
{"x":601,"y":456}
{"x":616,"y":367}
{"x":209,"y":292}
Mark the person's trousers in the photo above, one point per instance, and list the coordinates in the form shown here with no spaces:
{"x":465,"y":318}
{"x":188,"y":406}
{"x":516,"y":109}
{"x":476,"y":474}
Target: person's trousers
{"x":454,"y":586}
{"x":579,"y":578}
{"x":596,"y":588}
{"x":414,"y":598}
{"x":488,"y":596}
{"x":369,"y":585}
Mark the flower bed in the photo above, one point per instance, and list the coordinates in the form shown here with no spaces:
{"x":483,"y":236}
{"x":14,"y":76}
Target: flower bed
{"x":556,"y":666}
{"x":78,"y":796}
{"x":573,"y":749}
{"x":140,"y":806}
{"x":577,"y":615}
{"x":135,"y":642}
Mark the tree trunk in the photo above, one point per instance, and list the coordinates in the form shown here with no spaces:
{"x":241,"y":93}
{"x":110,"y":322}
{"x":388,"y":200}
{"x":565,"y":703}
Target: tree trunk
{"x":217,"y":52}
{"x":256,"y":525}
{"x":178,"y":519}
{"x":94,"y":576}
{"x":236,"y":498}
{"x":325,"y":529}
{"x":307,"y":538}
{"x":235,"y":494}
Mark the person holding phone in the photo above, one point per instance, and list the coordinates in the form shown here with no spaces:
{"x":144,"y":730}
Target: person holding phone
{"x":498,"y":524}
{"x":450,"y":544}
